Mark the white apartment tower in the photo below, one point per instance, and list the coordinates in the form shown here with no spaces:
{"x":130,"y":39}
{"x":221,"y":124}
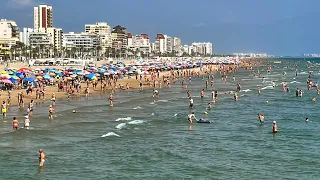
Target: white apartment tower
{"x":160,"y":45}
{"x":24,"y":35}
{"x":55,"y":36}
{"x":42,"y":17}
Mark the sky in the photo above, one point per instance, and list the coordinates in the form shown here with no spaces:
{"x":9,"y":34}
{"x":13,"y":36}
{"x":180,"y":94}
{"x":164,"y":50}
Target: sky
{"x":277,"y":27}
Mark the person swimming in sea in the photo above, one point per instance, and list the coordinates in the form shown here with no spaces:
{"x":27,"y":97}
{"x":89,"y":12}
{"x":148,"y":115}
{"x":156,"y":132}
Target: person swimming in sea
{"x":261,"y":117}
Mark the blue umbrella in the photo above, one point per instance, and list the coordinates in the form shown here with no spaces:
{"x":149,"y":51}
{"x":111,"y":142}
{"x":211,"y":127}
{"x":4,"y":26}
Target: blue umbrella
{"x":28,"y":79}
{"x":90,"y":75}
{"x":12,"y":79}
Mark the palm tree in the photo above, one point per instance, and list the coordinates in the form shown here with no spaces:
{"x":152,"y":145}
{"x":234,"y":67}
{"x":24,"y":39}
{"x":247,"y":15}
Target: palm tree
{"x":99,"y":48}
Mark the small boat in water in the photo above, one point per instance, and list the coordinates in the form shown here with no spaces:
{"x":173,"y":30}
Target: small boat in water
{"x":277,"y":62}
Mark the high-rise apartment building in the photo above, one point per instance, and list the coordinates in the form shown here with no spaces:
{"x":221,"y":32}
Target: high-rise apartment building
{"x":139,"y":42}
{"x":160,"y":45}
{"x":55,"y":36}
{"x":204,"y":48}
{"x":103,"y":30}
{"x":42,"y":17}
{"x":119,"y":37}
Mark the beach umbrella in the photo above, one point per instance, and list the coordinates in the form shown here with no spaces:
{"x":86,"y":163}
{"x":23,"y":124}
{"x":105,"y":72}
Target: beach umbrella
{"x":5,"y":76}
{"x":14,"y":77}
{"x":94,"y":78}
{"x":6,"y":81}
{"x":90,"y":75}
{"x":23,"y":69}
{"x":28,"y":79}
{"x":4,"y":72}
{"x":39,"y":77}
{"x":46,"y":76}
{"x":13,"y":80}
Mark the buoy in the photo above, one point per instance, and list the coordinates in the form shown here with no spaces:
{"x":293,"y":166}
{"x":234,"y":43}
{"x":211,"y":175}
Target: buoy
{"x":74,"y":111}
{"x":267,"y":102}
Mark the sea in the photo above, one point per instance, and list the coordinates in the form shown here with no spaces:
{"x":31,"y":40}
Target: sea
{"x":139,"y":138}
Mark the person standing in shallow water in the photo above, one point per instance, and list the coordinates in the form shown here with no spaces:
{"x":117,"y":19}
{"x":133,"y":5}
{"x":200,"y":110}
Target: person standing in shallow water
{"x":41,"y":158}
{"x":4,"y":109}
{"x":274,"y":127}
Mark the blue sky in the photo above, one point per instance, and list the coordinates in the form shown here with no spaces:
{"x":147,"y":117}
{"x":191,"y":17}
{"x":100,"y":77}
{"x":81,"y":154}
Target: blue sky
{"x":278,"y":27}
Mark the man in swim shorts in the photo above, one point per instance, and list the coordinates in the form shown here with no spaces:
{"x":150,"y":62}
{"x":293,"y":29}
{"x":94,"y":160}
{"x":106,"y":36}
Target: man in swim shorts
{"x":191,"y":102}
{"x":41,"y":157}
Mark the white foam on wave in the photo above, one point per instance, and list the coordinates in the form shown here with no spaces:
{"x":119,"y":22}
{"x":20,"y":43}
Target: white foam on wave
{"x":138,"y":107}
{"x":110,"y":134}
{"x":136,"y":122}
{"x":246,"y":90}
{"x":121,"y":125}
{"x":152,"y":103}
{"x":294,"y":82}
{"x":267,"y":87}
{"x":303,"y":73}
{"x":152,"y":114}
{"x":246,"y":79}
{"x":124,"y":119}
{"x":163,"y":100}
{"x":175,"y":115}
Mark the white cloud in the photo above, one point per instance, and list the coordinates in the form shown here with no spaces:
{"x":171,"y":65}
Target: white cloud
{"x":20,"y":3}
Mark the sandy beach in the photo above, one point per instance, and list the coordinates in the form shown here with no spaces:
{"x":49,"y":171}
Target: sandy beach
{"x":131,"y":81}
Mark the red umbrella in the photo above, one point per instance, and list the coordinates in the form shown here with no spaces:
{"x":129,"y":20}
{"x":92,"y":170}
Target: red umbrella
{"x":23,"y":69}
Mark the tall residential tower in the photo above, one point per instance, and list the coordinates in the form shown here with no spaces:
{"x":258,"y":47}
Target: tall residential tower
{"x":42,"y":17}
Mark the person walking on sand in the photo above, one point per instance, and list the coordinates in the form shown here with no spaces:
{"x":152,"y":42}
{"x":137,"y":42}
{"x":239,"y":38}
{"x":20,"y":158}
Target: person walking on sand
{"x":51,"y":112}
{"x":4,"y":110}
{"x":41,"y":158}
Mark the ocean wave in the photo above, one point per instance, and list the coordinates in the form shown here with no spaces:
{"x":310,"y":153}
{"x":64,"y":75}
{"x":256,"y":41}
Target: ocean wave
{"x":246,"y":90}
{"x":294,"y":82}
{"x":136,"y":122}
{"x":138,"y":107}
{"x":163,"y":100}
{"x":121,"y":125}
{"x":124,"y":119}
{"x":267,"y":87}
{"x":110,"y":134}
